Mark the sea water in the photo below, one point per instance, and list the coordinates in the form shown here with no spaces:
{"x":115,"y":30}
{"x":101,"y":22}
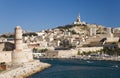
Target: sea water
{"x":76,"y":68}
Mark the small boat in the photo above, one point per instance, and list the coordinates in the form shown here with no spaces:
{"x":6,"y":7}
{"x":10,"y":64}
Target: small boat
{"x":89,"y":61}
{"x":116,"y":66}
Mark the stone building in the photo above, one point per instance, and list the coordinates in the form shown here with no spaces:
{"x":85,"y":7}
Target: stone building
{"x":92,"y":31}
{"x":109,"y":32}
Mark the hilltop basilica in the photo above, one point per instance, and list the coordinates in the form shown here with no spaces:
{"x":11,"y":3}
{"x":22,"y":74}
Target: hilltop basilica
{"x":78,"y":21}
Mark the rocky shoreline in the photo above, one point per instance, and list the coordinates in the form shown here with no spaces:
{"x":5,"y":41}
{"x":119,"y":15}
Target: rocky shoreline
{"x":25,"y":70}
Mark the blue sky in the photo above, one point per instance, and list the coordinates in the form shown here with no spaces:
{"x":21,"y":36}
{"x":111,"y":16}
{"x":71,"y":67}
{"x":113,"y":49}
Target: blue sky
{"x":35,"y":15}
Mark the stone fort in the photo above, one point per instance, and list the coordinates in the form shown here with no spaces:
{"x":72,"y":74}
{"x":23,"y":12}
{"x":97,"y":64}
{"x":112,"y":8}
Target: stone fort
{"x":19,"y":55}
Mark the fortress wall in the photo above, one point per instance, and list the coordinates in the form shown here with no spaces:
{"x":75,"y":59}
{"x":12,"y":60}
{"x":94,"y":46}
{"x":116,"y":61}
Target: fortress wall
{"x":87,"y":49}
{"x":66,"y":53}
{"x":1,"y":46}
{"x":6,"y":56}
{"x":112,"y":39}
{"x":103,"y":35}
{"x":70,"y":53}
{"x":21,"y":57}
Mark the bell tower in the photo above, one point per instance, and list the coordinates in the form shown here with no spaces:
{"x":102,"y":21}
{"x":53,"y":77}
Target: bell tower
{"x":78,"y":18}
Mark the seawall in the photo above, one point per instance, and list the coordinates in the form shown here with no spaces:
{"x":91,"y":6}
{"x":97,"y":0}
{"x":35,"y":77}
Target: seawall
{"x":25,"y":70}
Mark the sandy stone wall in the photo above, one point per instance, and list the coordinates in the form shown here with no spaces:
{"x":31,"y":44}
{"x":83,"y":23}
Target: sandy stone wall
{"x":66,"y":53}
{"x":86,"y":49}
{"x":20,"y":57}
{"x":1,"y":46}
{"x":115,"y":39}
{"x":5,"y":56}
{"x":72,"y":53}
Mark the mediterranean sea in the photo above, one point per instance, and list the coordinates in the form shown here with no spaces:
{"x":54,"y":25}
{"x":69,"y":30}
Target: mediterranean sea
{"x":76,"y":68}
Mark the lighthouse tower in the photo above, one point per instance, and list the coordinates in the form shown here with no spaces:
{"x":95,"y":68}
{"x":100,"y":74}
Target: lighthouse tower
{"x":20,"y":55}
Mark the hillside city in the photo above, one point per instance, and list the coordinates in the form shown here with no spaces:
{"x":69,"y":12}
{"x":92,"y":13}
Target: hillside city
{"x":76,"y":40}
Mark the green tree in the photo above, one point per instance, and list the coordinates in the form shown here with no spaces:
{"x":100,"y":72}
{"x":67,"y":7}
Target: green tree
{"x":78,"y":53}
